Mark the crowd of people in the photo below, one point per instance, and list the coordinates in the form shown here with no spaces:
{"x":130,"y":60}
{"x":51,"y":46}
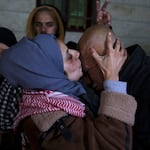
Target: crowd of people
{"x":84,"y":99}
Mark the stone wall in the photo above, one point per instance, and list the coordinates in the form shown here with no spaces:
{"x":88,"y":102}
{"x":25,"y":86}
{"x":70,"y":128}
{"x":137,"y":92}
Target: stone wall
{"x":131,"y":20}
{"x":14,"y":13}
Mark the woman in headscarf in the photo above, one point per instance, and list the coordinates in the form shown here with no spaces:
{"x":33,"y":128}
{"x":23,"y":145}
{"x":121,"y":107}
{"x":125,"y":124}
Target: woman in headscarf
{"x":52,"y":113}
{"x":35,"y":25}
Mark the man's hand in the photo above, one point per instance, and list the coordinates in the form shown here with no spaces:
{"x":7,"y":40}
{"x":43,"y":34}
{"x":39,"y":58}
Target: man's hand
{"x":114,"y":58}
{"x":103,"y":16}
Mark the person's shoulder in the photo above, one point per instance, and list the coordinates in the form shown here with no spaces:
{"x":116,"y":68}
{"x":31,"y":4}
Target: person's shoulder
{"x":134,"y":46}
{"x":136,"y":49}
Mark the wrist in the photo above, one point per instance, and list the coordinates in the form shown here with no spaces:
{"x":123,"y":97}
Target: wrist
{"x":115,"y":86}
{"x":111,"y":77}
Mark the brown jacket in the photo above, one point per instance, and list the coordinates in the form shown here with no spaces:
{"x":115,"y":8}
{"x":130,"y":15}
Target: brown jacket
{"x":110,"y":130}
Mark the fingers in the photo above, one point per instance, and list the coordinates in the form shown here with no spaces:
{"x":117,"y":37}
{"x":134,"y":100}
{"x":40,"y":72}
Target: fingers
{"x":103,"y":16}
{"x":123,"y":51}
{"x":105,"y":5}
{"x":120,"y":51}
{"x":108,"y":17}
{"x":109,"y":44}
{"x":97,"y":5}
{"x":117,"y":45}
{"x":96,"y":56}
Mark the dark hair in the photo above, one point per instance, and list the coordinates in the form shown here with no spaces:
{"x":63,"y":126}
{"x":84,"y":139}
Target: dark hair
{"x":72,"y":45}
{"x":7,"y":36}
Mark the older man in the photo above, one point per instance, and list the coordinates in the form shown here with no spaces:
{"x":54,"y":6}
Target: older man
{"x":135,"y":71}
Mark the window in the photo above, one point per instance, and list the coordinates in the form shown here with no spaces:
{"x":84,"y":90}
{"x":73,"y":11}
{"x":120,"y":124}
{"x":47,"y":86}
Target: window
{"x":77,"y":14}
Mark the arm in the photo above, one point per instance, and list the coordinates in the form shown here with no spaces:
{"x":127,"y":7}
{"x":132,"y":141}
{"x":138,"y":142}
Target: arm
{"x":111,"y":63}
{"x":114,"y":103}
{"x":116,"y":113}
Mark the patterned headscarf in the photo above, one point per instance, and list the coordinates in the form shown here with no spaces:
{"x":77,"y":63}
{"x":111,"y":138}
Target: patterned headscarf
{"x":38,"y":64}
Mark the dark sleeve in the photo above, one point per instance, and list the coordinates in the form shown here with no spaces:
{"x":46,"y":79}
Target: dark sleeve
{"x":91,"y":99}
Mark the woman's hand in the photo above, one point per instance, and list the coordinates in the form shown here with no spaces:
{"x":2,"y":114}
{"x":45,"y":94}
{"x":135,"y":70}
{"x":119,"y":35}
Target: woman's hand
{"x":114,"y":58}
{"x":103,"y":16}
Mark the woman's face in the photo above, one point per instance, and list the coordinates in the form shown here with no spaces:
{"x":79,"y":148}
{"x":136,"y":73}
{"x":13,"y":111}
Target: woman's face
{"x":44,"y":23}
{"x":72,"y":63}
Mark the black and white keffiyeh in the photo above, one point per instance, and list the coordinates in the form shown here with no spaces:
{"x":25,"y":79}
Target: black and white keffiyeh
{"x":9,"y":99}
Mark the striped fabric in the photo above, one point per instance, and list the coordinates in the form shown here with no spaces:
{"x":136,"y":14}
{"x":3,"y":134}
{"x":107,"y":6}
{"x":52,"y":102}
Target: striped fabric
{"x":35,"y":102}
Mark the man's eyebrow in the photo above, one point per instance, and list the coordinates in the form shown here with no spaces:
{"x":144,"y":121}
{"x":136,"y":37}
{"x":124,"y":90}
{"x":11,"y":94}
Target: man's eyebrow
{"x":44,"y":22}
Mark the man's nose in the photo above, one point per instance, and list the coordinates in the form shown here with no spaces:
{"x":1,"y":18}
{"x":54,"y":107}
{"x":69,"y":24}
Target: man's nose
{"x":43,"y":28}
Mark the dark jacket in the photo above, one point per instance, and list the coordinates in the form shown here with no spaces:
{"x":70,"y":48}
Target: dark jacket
{"x":136,"y":72}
